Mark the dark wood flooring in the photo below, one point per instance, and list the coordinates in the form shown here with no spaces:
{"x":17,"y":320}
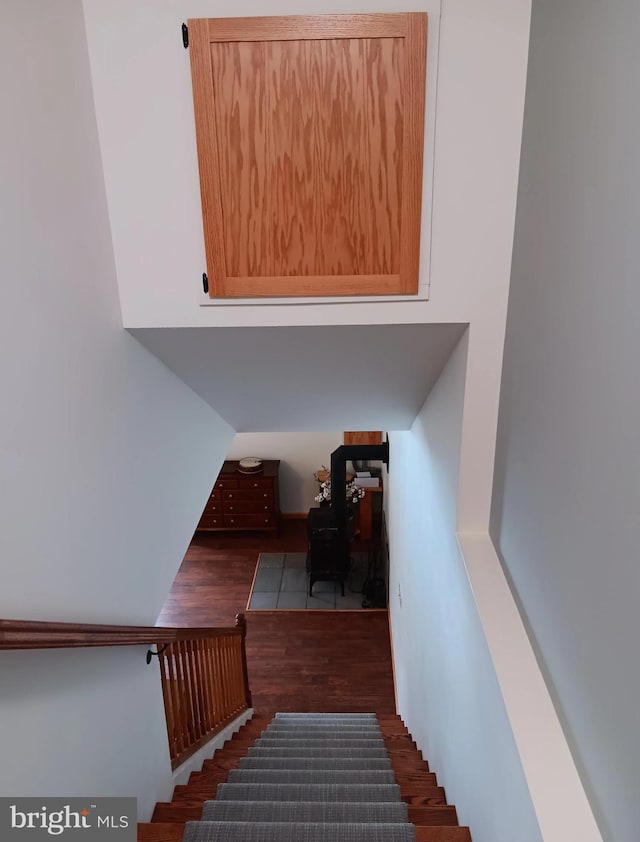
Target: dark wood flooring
{"x":299,"y":660}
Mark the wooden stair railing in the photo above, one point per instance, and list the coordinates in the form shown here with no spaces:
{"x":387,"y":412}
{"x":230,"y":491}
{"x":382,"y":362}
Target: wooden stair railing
{"x":203,"y":671}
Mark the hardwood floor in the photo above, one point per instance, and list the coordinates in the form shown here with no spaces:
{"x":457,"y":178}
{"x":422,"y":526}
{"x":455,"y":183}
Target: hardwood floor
{"x":299,"y":660}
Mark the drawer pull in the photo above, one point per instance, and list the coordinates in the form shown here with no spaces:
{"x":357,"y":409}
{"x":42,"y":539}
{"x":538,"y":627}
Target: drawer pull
{"x":230,"y":508}
{"x":265,"y":495}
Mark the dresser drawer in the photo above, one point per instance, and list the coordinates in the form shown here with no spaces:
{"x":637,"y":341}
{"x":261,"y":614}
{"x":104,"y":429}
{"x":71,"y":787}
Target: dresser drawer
{"x":213,"y":507}
{"x":265,"y":494}
{"x":255,"y":482}
{"x":211,"y":522}
{"x":240,"y":502}
{"x":223,"y":483}
{"x":247,"y":521}
{"x":248,"y":506}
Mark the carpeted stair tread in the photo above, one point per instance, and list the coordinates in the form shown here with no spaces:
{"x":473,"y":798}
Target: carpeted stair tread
{"x":314,"y":724}
{"x":347,"y":716}
{"x":308,"y":792}
{"x":350,"y":751}
{"x":316,"y":727}
{"x":320,"y":731}
{"x":344,"y":763}
{"x":298,"y":832}
{"x":318,"y":742}
{"x":304,"y":811}
{"x":314,"y":778}
{"x":311,"y":776}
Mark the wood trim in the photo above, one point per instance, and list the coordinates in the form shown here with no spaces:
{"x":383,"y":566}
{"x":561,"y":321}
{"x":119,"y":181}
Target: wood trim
{"x":362,"y":437}
{"x":415,"y":53}
{"x":305,"y":27}
{"x":293,"y":286}
{"x":208,"y":158}
{"x":33,"y":634}
{"x":176,"y":762}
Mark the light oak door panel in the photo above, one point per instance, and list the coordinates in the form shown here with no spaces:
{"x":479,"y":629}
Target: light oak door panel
{"x":310,"y":162}
{"x":363,"y":437}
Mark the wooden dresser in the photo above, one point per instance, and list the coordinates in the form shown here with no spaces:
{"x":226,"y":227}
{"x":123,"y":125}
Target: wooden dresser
{"x":243,"y":501}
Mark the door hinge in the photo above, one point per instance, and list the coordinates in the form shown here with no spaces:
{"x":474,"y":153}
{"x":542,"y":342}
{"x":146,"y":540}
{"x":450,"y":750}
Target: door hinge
{"x":185,"y":36}
{"x":205,"y":282}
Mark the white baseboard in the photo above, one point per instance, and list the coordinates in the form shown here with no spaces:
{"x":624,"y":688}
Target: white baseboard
{"x":194,"y":763}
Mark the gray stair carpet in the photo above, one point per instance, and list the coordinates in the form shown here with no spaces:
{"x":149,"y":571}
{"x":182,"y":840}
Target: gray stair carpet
{"x":297,"y":762}
{"x":309,"y":778}
{"x":353,"y":751}
{"x":309,"y":792}
{"x":317,"y":742}
{"x":304,"y":811}
{"x":326,"y":717}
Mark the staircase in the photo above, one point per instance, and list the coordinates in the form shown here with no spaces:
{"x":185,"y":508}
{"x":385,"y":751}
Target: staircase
{"x":311,"y":778}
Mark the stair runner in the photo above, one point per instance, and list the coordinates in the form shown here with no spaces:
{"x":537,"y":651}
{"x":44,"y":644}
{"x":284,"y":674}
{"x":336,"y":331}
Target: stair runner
{"x":309,"y":778}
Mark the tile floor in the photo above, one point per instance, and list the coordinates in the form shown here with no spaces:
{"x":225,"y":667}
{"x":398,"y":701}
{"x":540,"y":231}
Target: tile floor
{"x":281,"y":582}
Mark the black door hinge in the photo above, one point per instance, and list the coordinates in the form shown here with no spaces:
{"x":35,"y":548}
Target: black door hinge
{"x":185,"y":36}
{"x":205,"y":282}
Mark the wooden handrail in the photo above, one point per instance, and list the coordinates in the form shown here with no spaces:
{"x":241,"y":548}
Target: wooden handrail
{"x":203,"y":671}
{"x":35,"y":634}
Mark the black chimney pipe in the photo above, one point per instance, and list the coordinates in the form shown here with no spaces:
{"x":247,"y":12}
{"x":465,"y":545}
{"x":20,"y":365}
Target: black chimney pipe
{"x":339,"y":459}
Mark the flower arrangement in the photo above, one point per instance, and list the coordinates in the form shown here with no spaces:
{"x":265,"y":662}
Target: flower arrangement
{"x":354,"y":492}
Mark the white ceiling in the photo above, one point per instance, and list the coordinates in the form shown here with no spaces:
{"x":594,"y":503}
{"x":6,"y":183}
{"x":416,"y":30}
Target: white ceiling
{"x":279,"y":379}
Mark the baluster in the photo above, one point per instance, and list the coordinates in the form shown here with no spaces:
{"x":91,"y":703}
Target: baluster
{"x":168,"y":706}
{"x":177,"y":699}
{"x":211,"y":643}
{"x":204,"y":684}
{"x":187,"y":692}
{"x":225,"y":675}
{"x":193,"y":687}
{"x":241,"y":695}
{"x":195,"y":644}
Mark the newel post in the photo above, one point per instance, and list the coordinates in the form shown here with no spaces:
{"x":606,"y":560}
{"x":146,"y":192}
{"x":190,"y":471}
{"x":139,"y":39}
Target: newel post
{"x":241,"y":624}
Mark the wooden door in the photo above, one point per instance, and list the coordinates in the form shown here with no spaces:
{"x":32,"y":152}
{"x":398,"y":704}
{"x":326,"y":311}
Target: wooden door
{"x":310,"y":142}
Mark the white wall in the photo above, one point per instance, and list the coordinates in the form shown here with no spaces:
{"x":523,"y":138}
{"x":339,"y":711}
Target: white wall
{"x":300,"y":455}
{"x":565,"y":516}
{"x":325,"y":377}
{"x":106,"y":457}
{"x":447,"y":690}
{"x":475,"y":99}
{"x":84,"y":722}
{"x":145,"y":62}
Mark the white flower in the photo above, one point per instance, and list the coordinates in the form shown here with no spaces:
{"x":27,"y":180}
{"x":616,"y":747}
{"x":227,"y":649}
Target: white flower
{"x":353,"y":492}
